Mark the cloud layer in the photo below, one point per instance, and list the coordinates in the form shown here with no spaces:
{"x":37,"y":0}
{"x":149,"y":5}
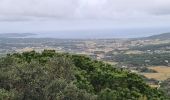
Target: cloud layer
{"x":56,"y":15}
{"x":20,"y":10}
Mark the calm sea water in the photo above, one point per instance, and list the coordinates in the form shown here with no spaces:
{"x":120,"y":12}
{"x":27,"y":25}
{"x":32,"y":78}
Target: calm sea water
{"x":97,"y":34}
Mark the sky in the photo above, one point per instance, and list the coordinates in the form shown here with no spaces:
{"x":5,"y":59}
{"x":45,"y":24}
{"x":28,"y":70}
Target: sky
{"x":70,"y":15}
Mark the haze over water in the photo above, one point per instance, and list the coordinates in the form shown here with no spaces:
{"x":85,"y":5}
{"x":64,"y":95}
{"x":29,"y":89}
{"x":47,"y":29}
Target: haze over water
{"x":99,"y":34}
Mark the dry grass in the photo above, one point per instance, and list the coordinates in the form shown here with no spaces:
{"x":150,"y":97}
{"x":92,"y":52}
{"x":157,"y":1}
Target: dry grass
{"x":153,"y":86}
{"x":112,"y":63}
{"x":163,"y":73}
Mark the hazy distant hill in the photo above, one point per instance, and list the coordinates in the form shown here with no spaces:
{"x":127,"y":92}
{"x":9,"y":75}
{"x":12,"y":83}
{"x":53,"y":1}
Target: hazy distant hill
{"x":15,"y":35}
{"x":163,"y":36}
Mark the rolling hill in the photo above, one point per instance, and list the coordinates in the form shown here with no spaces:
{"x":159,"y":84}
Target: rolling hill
{"x":163,"y":36}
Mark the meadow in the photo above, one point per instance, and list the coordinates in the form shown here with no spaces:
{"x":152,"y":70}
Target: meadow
{"x":163,"y":73}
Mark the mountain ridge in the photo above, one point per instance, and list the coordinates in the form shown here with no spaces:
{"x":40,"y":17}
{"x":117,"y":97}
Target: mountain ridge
{"x":159,"y":36}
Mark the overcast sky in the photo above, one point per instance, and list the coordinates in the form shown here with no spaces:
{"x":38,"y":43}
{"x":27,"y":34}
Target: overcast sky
{"x":54,"y":15}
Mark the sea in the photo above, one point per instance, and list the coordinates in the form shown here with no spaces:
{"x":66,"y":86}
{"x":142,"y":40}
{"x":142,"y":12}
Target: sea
{"x":100,"y":34}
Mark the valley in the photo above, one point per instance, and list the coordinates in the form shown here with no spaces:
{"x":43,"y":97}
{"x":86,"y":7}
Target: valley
{"x":148,"y":57}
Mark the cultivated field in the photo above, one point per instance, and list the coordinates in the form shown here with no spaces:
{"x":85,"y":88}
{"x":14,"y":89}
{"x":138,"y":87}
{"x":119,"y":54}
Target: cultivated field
{"x":163,"y":73}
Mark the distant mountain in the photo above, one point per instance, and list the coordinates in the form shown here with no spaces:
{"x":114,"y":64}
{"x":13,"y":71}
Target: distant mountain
{"x":15,"y":35}
{"x":163,"y":36}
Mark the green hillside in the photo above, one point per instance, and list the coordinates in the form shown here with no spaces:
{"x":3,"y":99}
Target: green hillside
{"x":55,"y":76}
{"x":163,"y":36}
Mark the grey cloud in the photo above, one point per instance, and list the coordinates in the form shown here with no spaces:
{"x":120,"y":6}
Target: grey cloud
{"x":38,"y":8}
{"x":159,"y":8}
{"x":81,"y":9}
{"x":161,"y":11}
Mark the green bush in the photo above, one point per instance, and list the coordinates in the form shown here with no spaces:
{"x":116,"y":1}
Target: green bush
{"x":50,"y":76}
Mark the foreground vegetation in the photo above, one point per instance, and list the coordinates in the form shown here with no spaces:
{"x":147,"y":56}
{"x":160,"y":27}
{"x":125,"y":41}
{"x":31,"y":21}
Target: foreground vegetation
{"x":54,"y":76}
{"x":165,"y":87}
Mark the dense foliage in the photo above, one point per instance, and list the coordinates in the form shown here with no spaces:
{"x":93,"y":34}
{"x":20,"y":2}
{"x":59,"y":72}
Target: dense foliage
{"x":54,"y":76}
{"x":165,"y":87}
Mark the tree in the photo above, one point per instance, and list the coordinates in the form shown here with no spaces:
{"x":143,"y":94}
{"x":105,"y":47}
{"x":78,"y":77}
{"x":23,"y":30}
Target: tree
{"x":49,"y":76}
